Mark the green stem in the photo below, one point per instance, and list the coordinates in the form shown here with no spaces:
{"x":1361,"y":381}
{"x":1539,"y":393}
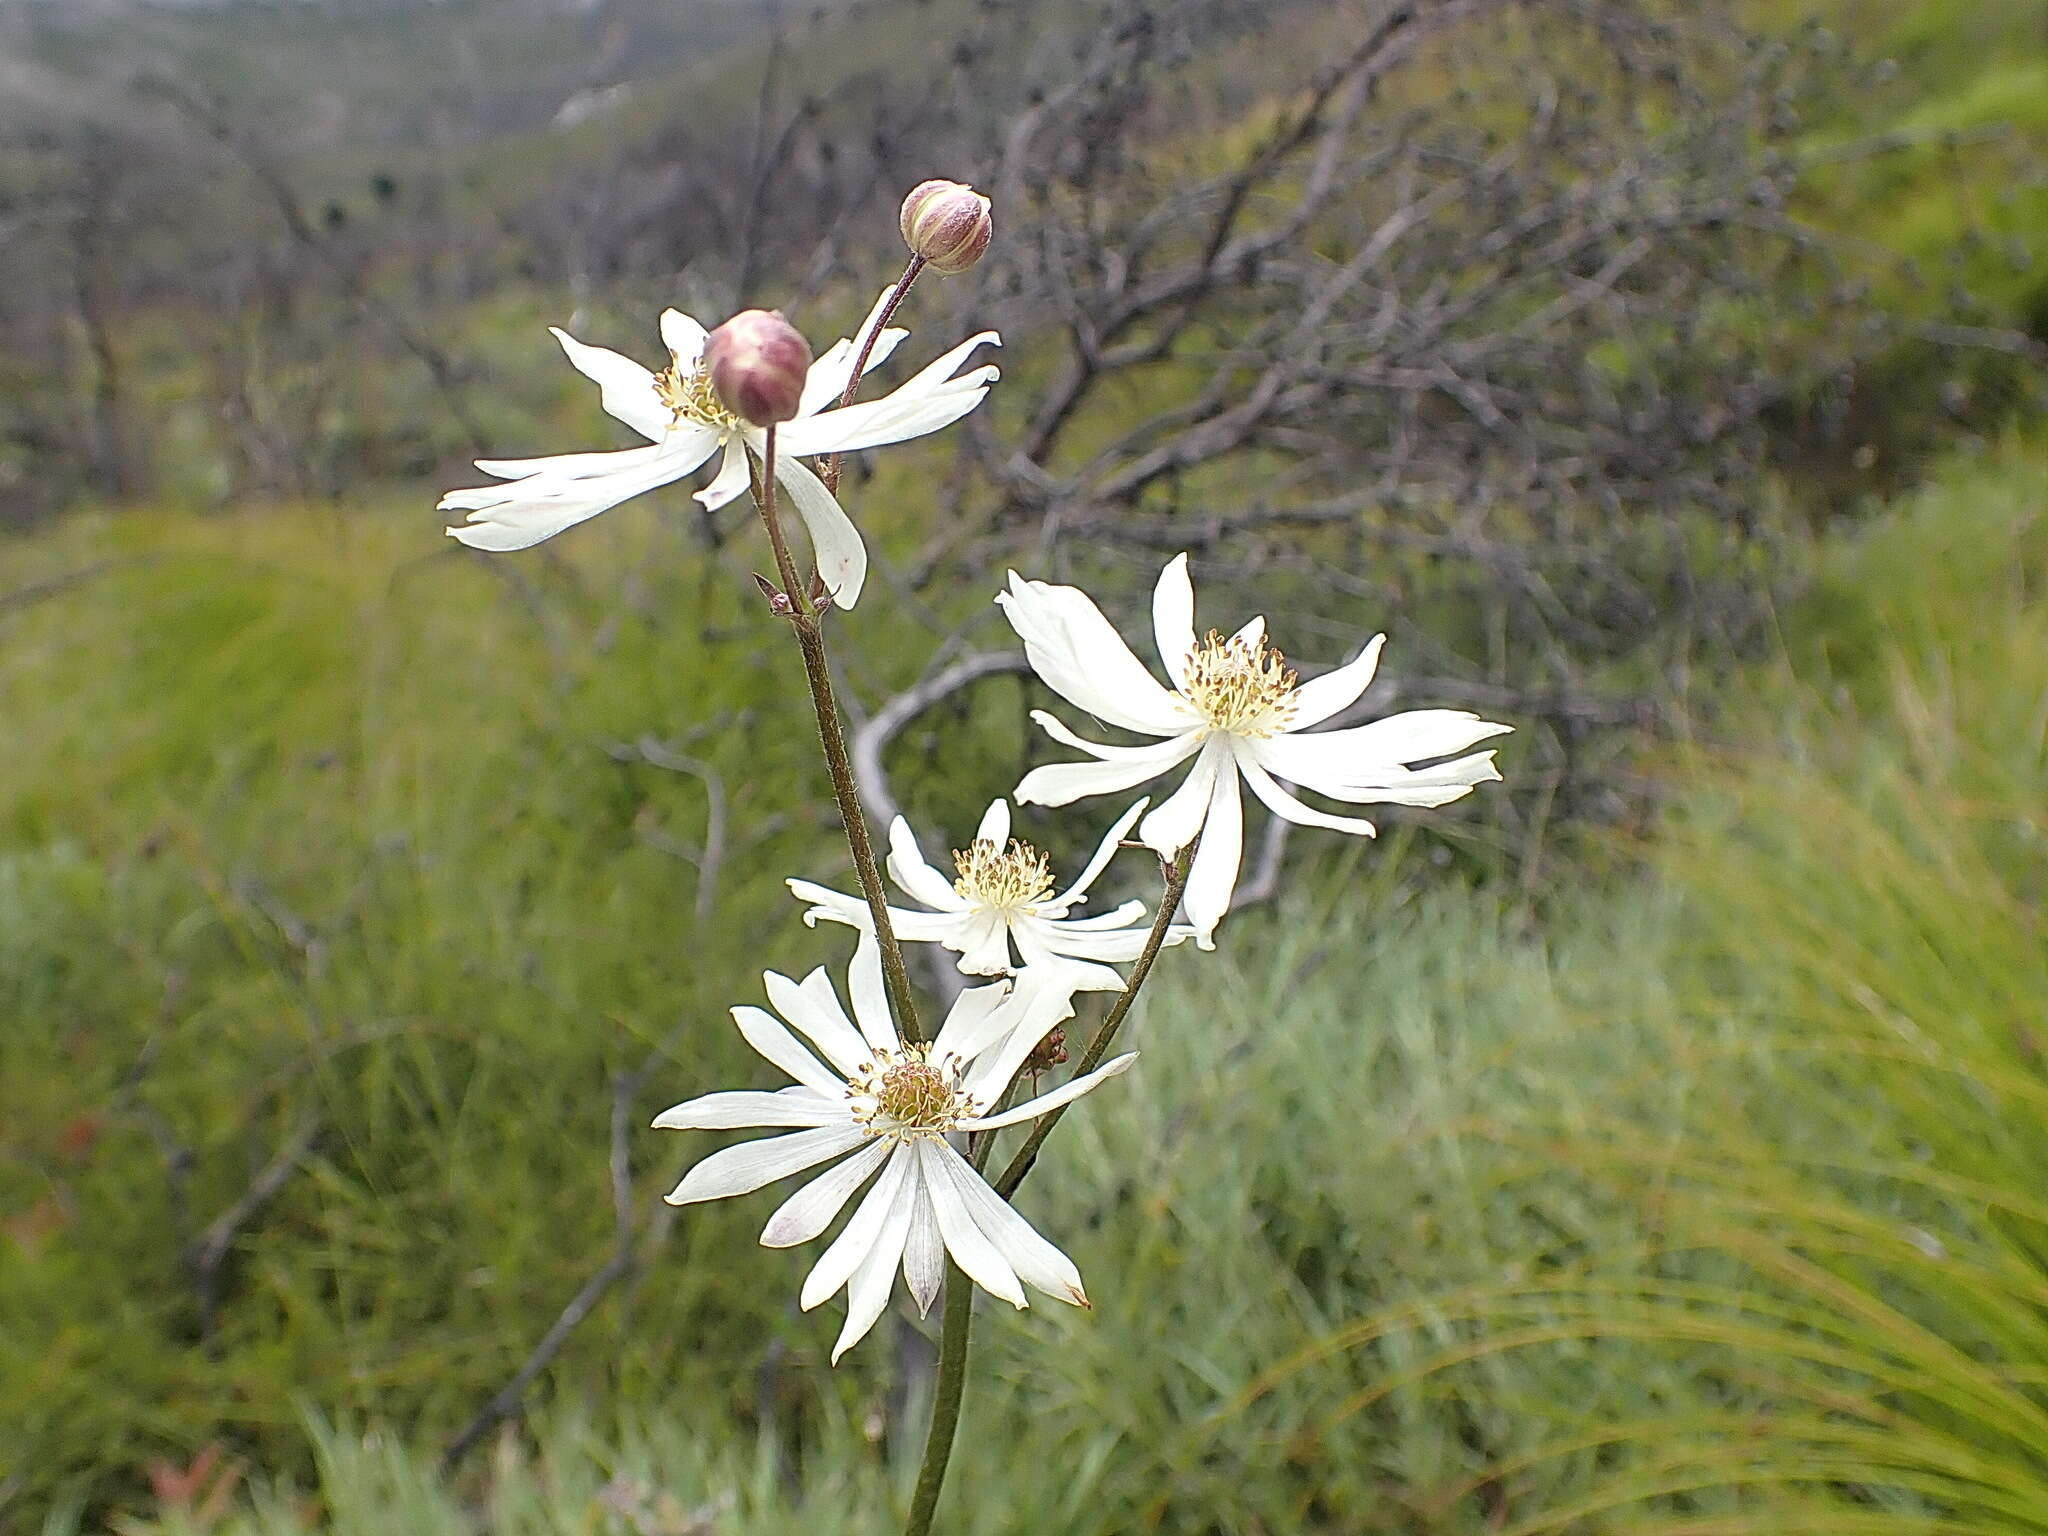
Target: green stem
{"x":829,"y":470}
{"x":1098,"y":1047}
{"x":947,"y":1391}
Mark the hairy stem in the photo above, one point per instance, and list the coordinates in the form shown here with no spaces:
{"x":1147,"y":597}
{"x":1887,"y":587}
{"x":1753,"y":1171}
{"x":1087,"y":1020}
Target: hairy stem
{"x":806,"y":621}
{"x":829,"y":470}
{"x":1098,"y":1047}
{"x":946,"y":1394}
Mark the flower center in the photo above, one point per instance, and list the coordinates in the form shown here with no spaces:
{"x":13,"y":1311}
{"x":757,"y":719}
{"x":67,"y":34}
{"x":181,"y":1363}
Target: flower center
{"x":691,"y":395}
{"x":1003,"y":880}
{"x":1244,"y":688}
{"x":905,"y":1095}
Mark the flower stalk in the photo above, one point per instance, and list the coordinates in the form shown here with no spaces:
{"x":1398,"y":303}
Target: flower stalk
{"x":829,"y":470}
{"x":948,"y":1388}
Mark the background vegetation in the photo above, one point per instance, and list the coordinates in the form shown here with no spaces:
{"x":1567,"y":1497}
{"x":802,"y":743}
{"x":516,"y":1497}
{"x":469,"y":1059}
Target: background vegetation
{"x":1650,"y":1150}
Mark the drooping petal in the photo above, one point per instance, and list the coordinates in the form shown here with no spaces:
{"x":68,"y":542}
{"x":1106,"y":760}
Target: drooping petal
{"x":732,"y":478}
{"x":1176,"y":820}
{"x":837,"y":1263}
{"x":826,"y":381}
{"x":625,"y":389}
{"x":1173,"y":619}
{"x":1212,"y":878}
{"x":842,"y":557}
{"x":684,"y":339}
{"x":523,"y":512}
{"x":867,"y":1291}
{"x":1104,"y":852}
{"x":1288,"y":808}
{"x":741,"y":1170}
{"x":924,"y":1255}
{"x":1078,"y":654}
{"x":1359,"y":754}
{"x":917,"y":878}
{"x":1046,"y":1103}
{"x":995,"y":824}
{"x":803,"y":1008}
{"x":977,"y":1257}
{"x":1063,"y":783}
{"x":1321,"y":697}
{"x":925,"y":403}
{"x":766,"y":1034}
{"x":810,"y":1210}
{"x":1037,"y":1262}
{"x":744,"y":1111}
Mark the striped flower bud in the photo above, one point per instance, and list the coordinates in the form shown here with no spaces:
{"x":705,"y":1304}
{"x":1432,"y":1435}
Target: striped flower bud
{"x":758,"y":362}
{"x":947,"y":224}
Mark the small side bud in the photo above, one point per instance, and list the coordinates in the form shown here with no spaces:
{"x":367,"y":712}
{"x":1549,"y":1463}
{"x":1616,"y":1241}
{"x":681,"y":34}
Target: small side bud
{"x":949,"y":225}
{"x":758,"y":363}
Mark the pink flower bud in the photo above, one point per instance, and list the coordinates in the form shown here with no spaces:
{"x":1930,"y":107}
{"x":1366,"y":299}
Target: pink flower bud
{"x":947,"y":224}
{"x":758,"y":362}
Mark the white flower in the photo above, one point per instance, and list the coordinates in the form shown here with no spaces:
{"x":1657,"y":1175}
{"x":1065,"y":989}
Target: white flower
{"x":686,"y":423}
{"x":1000,"y":914}
{"x":1240,"y":712}
{"x":891,"y":1106}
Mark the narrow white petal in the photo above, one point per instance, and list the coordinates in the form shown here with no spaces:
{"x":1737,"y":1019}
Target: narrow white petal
{"x":929,"y":400}
{"x":1104,"y":852}
{"x":1358,"y":754}
{"x":870,"y":998}
{"x":684,"y":339}
{"x":1037,"y":1262}
{"x":1173,"y":618}
{"x":1062,"y":783}
{"x":826,"y":381}
{"x":523,"y":512}
{"x":1438,"y":784}
{"x":842,"y":1257}
{"x":1212,"y":879}
{"x":911,"y":927}
{"x":766,"y":1034}
{"x":1116,"y":917}
{"x":1043,"y":996}
{"x":625,"y":389}
{"x":745,"y":1168}
{"x":810,"y":1210}
{"x":842,"y":557}
{"x":915,"y":877}
{"x":732,"y":479}
{"x":567,"y":466}
{"x":1046,"y":1103}
{"x":924,"y":1250}
{"x":1321,"y":697}
{"x":867,"y":1292}
{"x":984,"y":945}
{"x":995,"y":824}
{"x":974,"y":1023}
{"x":1054,"y":727}
{"x":1078,"y":654}
{"x":1043,"y":942}
{"x":1288,"y":808}
{"x":965,"y":1241}
{"x":803,"y":1009}
{"x":1251,"y":633}
{"x":742,"y":1111}
{"x":1173,"y":825}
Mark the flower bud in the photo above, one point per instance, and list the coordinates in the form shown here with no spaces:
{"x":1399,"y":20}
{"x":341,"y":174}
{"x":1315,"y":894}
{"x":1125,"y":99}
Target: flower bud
{"x":758,"y":363}
{"x":947,"y":224}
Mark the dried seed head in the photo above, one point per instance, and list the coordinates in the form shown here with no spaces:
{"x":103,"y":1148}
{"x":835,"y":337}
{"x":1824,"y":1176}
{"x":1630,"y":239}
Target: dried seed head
{"x":948,"y":224}
{"x":758,"y":362}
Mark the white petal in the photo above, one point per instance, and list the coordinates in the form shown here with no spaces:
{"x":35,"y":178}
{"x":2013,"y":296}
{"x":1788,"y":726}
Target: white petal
{"x":925,"y":403}
{"x":1037,"y":1263}
{"x":842,"y":557}
{"x":1173,"y":825}
{"x":684,"y":339}
{"x":867,"y":1293}
{"x":1287,"y":808}
{"x":810,"y":1210}
{"x":1360,"y":754}
{"x":965,"y":1241}
{"x":741,"y":1111}
{"x":974,"y":1023}
{"x":1212,"y":879}
{"x":1054,"y":727}
{"x":915,"y":877}
{"x":1321,"y":697}
{"x":625,"y":389}
{"x":870,"y":996}
{"x":580,"y":466}
{"x":1078,"y":654}
{"x":1173,"y":618}
{"x":995,"y":824}
{"x":1046,"y":1103}
{"x":733,"y":476}
{"x":814,"y":1009}
{"x":1042,"y":942}
{"x":745,"y":1168}
{"x":984,"y":945}
{"x":838,"y":1262}
{"x":1104,"y":852}
{"x":1043,"y":997}
{"x":924,"y":1251}
{"x":1438,"y":785}
{"x":1062,"y":783}
{"x":826,"y":381}
{"x":1251,"y":633}
{"x":523,"y":512}
{"x":766,"y":1034}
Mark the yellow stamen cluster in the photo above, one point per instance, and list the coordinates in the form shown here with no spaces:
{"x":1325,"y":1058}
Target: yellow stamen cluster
{"x":1004,"y":880}
{"x":905,"y":1095}
{"x":690,"y":395}
{"x":1241,"y":687}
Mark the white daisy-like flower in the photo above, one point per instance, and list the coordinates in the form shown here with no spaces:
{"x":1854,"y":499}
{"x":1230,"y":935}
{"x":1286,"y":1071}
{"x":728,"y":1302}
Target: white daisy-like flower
{"x":685,"y":422}
{"x":891,"y":1106}
{"x":1000,"y":913}
{"x":1241,"y":713}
